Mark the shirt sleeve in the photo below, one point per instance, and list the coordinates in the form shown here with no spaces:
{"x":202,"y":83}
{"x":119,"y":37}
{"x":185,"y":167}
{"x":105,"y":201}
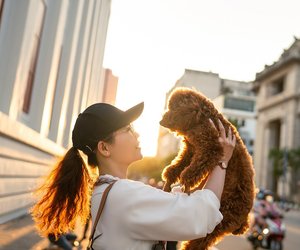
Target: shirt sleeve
{"x":152,"y":214}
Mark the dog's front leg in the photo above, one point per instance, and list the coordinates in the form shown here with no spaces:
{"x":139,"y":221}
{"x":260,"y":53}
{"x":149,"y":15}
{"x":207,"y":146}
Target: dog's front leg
{"x":171,"y":173}
{"x":200,"y":166}
{"x":193,"y":174}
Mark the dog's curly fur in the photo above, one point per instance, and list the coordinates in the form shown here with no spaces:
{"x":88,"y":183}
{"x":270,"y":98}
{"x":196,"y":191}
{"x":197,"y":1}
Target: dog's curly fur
{"x":188,"y":115}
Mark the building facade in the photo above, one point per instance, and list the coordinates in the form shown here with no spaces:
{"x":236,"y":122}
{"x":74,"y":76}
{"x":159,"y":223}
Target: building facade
{"x":278,"y":113}
{"x":51,"y":54}
{"x":110,"y":86}
{"x":237,"y":103}
{"x":234,"y":99}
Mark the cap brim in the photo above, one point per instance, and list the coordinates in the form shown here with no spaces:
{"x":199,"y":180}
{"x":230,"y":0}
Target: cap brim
{"x":133,"y":113}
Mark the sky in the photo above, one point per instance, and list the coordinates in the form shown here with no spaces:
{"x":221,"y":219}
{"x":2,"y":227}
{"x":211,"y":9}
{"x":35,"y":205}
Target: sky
{"x":151,"y":42}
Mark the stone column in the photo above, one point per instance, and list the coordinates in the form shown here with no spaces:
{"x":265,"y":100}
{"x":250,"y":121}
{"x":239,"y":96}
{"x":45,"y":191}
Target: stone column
{"x":74,"y":105}
{"x":11,"y":39}
{"x":47,"y":66}
{"x":263,"y":172}
{"x":258,"y":156}
{"x":97,"y":91}
{"x":267,"y":172}
{"x":292,"y":121}
{"x":33,"y":27}
{"x":87,"y":84}
{"x":62,"y":95}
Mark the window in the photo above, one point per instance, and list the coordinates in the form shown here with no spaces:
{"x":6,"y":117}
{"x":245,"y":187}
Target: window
{"x":30,"y":79}
{"x":277,"y":86}
{"x":1,"y":10}
{"x":239,"y":104}
{"x":55,"y":87}
{"x":32,"y":68}
{"x":243,"y":123}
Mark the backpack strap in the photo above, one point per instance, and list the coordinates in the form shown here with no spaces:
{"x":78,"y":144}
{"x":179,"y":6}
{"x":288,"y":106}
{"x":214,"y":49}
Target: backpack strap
{"x":100,"y":209}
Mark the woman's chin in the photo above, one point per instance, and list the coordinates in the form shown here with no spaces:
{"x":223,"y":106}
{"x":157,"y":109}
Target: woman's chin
{"x":139,"y":155}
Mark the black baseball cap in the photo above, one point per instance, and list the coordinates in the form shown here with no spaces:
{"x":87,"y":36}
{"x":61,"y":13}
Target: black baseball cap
{"x":100,"y":120}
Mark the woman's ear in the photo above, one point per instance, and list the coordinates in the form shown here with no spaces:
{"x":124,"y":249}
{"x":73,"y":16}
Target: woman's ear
{"x":103,"y":148}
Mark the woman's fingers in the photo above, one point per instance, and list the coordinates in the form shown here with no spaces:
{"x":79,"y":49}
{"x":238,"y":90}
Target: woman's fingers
{"x":213,"y":125}
{"x":229,"y":134}
{"x":230,"y":138}
{"x":222,"y":130}
{"x":233,"y":140}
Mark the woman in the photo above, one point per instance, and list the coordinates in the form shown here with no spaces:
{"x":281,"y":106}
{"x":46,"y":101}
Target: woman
{"x":135,"y":215}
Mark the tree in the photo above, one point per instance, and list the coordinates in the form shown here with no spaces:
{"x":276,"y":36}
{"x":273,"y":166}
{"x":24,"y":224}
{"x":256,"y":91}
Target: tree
{"x":276,"y":155}
{"x":294,"y":163}
{"x":149,"y":167}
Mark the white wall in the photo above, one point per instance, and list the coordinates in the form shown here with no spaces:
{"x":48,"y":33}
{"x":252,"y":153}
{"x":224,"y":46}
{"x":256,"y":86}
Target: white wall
{"x":66,"y":80}
{"x":206,"y":82}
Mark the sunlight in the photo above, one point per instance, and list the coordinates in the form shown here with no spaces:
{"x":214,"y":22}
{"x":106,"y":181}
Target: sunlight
{"x":147,"y":125}
{"x":148,"y":136}
{"x":150,"y":54}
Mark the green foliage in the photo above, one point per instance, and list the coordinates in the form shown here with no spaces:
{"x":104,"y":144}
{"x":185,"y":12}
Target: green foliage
{"x":235,"y":123}
{"x":150,"y":167}
{"x":277,"y":156}
{"x":293,"y":158}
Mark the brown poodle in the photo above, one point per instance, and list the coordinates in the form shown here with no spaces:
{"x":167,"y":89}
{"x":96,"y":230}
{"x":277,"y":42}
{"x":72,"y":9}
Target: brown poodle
{"x":188,"y":115}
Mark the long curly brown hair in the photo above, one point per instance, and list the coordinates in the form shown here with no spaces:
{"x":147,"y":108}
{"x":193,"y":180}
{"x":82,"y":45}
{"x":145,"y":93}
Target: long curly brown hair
{"x":65,"y":196}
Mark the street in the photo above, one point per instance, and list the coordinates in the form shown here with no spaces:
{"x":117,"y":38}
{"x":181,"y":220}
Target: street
{"x":21,"y":234}
{"x":291,"y":242}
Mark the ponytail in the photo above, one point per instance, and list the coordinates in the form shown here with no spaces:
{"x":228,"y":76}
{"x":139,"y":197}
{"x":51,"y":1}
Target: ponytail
{"x":65,"y":196}
{"x":92,"y":159}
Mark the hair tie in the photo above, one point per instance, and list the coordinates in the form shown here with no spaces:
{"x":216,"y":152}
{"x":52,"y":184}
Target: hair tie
{"x":87,"y":150}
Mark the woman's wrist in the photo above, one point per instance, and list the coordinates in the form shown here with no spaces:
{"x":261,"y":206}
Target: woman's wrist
{"x":216,"y":181}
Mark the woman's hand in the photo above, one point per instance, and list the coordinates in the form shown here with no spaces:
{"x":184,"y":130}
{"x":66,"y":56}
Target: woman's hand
{"x":216,"y":178}
{"x":228,"y":143}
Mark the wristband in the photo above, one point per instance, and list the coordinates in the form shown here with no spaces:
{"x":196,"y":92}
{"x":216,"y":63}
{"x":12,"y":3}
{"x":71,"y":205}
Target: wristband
{"x":222,"y":165}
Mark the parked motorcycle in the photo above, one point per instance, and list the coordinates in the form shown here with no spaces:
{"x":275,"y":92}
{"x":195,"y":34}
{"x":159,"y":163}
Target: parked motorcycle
{"x":65,"y":242}
{"x":270,"y":236}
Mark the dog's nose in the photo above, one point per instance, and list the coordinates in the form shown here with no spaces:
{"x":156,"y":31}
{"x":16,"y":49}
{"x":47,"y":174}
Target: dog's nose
{"x":163,"y":122}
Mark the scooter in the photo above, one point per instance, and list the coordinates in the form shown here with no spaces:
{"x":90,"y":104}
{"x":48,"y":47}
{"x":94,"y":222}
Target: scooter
{"x":65,"y":241}
{"x":270,"y":236}
{"x":68,"y":241}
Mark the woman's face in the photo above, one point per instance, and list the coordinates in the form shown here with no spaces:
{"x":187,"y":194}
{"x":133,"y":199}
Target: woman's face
{"x":125,"y":148}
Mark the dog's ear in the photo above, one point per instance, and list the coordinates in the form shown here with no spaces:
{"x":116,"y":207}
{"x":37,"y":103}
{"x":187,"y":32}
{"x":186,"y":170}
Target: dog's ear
{"x":179,"y":98}
{"x":184,"y":97}
{"x":190,"y":119}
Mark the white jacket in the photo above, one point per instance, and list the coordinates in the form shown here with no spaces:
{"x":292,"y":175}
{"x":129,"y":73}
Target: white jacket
{"x":136,"y":215}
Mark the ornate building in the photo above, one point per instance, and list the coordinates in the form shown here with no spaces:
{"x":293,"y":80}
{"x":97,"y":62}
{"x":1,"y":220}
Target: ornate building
{"x":278,"y":114}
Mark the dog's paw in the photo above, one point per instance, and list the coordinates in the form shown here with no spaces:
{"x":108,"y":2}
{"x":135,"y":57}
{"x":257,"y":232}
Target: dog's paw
{"x":167,"y":186}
